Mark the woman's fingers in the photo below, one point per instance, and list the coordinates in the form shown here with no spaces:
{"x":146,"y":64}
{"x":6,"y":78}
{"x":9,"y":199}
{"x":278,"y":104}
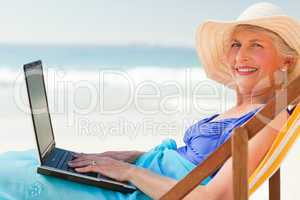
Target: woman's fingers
{"x":78,"y":160}
{"x":75,"y":154}
{"x":89,"y":168}
{"x":85,"y":157}
{"x":81,"y":163}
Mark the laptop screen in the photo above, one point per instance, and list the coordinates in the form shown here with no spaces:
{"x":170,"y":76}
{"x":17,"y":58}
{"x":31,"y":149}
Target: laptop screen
{"x":39,"y":106}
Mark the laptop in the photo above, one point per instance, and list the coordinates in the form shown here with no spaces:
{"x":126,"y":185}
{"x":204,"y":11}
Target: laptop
{"x":53,"y":160}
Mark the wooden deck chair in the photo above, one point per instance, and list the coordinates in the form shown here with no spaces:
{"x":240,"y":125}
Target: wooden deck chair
{"x":279,"y":149}
{"x":237,"y":147}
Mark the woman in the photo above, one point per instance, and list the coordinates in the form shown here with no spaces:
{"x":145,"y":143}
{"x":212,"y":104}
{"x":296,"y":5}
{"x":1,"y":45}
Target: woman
{"x":253,"y":55}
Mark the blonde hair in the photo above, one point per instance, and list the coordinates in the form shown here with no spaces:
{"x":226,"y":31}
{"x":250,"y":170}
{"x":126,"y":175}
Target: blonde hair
{"x":283,"y":48}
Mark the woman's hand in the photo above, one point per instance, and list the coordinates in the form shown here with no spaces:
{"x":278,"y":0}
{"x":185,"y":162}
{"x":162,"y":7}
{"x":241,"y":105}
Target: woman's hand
{"x":150,"y":183}
{"x":126,"y":156}
{"x":109,"y":167}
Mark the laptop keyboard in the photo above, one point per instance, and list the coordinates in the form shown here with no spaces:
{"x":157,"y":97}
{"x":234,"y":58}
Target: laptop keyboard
{"x":59,"y":159}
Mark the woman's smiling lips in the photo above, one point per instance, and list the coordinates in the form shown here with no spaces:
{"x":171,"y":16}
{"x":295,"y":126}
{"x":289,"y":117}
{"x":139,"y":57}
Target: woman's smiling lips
{"x":245,"y":70}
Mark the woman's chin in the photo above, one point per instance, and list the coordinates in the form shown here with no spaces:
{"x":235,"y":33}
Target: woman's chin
{"x":247,"y":88}
{"x":253,"y":89}
{"x":246,"y":83}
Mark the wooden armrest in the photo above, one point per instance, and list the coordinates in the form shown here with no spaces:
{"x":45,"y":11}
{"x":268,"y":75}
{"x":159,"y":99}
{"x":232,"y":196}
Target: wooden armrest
{"x":240,"y":163}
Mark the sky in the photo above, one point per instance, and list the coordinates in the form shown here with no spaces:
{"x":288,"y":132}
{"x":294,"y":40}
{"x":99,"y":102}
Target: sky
{"x":116,"y":22}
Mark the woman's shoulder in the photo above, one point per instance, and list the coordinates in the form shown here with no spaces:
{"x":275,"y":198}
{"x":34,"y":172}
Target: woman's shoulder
{"x":238,"y":112}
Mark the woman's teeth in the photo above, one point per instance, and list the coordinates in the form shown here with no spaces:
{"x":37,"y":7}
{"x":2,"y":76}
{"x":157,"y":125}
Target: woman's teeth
{"x":247,"y":70}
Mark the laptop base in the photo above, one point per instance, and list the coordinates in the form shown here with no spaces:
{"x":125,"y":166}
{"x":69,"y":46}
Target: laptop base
{"x":115,"y":186}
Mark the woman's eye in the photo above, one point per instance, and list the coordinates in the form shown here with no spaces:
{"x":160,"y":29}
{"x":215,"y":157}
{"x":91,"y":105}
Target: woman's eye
{"x":235,"y":44}
{"x":257,"y":45}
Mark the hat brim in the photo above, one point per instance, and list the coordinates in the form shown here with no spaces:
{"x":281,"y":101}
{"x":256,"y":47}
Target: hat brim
{"x":211,"y":36}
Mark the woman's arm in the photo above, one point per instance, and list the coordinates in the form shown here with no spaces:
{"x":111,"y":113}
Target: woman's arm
{"x":220,"y":187}
{"x":150,"y":183}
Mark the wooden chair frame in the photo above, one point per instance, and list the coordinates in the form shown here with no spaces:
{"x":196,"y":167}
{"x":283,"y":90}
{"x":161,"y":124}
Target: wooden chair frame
{"x":237,"y":147}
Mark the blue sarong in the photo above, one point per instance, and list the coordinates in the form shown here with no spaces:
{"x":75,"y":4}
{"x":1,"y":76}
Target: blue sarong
{"x":19,"y":180}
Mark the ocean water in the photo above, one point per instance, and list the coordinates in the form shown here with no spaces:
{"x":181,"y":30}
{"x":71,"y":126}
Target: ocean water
{"x":90,"y":57}
{"x":93,"y":59}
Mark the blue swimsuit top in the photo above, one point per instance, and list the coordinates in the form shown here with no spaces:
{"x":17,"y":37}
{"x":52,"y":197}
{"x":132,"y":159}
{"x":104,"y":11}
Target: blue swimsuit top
{"x":205,"y":136}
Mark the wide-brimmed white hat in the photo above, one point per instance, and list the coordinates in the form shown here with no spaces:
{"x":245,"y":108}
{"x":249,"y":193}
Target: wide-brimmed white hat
{"x":211,"y":37}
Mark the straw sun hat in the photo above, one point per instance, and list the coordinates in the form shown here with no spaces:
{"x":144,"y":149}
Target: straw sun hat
{"x":211,"y":37}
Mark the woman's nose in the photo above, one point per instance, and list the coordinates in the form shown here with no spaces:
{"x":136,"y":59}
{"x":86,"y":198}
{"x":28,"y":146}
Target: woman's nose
{"x":242,"y":55}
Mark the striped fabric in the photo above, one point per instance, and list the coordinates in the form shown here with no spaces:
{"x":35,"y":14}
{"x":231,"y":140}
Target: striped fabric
{"x":278,"y":151}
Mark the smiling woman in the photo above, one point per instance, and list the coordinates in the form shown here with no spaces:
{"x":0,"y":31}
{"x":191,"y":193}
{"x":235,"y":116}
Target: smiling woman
{"x":250,"y":55}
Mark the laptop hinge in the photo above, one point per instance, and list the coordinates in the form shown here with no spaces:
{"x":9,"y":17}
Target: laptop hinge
{"x":48,"y":151}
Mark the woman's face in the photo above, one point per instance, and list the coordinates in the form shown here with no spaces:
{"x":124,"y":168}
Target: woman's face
{"x":253,"y":60}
